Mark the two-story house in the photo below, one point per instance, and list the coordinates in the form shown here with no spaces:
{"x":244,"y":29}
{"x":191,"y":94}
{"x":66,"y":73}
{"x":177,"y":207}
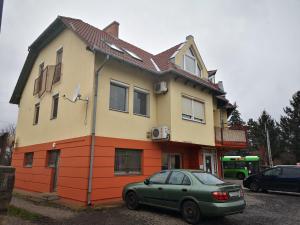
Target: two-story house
{"x":96,"y":112}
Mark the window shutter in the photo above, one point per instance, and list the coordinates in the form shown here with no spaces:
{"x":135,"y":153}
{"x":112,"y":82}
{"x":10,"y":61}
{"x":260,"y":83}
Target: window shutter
{"x":198,"y":110}
{"x":187,"y":106}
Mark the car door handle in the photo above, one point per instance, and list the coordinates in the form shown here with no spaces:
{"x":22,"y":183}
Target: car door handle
{"x":185,"y":190}
{"x":160,"y":188}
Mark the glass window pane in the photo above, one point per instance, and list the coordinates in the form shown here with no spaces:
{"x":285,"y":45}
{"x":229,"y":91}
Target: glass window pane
{"x":198,"y":111}
{"x":187,"y":108}
{"x":159,"y":178}
{"x":176,"y":178}
{"x":118,"y":97}
{"x":190,"y":64}
{"x":140,"y":104}
{"x":128,"y":161}
{"x":207,"y":178}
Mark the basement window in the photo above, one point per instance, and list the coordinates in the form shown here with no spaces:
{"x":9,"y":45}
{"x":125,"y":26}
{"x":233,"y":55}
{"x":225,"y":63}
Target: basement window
{"x":28,"y":159}
{"x":128,"y":161}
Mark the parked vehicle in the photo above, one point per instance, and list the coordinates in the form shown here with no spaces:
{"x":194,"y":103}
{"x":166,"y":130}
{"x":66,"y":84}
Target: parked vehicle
{"x":194,"y":193}
{"x":278,"y":178}
{"x":7,"y":179}
{"x":240,"y":167}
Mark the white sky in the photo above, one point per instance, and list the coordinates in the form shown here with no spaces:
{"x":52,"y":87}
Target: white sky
{"x":255,"y":45}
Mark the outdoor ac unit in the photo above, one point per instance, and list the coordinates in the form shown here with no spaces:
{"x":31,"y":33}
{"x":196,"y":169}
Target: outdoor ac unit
{"x":160,"y":87}
{"x":160,"y":133}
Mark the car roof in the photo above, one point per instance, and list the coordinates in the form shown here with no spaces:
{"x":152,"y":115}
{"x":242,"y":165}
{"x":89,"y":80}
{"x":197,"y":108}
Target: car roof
{"x":289,"y":166}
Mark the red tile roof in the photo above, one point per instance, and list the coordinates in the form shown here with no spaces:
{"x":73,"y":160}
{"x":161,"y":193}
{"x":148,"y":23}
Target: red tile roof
{"x":97,"y":40}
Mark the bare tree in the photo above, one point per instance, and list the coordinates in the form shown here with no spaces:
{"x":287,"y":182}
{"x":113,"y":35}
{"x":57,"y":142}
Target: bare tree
{"x":7,"y":136}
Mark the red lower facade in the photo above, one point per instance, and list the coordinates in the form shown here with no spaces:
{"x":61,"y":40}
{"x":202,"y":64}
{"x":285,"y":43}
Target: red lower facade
{"x":69,"y":176}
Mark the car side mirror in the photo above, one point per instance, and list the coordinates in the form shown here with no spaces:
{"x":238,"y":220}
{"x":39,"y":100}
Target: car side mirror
{"x":147,"y":181}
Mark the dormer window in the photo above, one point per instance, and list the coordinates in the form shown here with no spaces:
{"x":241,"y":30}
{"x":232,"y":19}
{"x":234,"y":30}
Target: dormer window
{"x":190,"y":63}
{"x":212,"y":79}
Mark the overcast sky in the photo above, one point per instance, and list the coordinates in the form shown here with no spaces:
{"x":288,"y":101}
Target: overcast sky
{"x":255,"y":45}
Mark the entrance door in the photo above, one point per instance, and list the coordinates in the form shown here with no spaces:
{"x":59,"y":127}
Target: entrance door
{"x":53,"y":162}
{"x":209,"y":165}
{"x":171,"y":161}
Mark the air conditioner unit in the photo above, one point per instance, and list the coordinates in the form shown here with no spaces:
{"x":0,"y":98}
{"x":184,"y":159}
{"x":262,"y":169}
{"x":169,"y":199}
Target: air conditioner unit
{"x":160,"y":87}
{"x":160,"y":133}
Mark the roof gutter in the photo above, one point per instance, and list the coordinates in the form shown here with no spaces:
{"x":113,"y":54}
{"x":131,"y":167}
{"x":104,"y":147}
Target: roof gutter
{"x":93,"y":129}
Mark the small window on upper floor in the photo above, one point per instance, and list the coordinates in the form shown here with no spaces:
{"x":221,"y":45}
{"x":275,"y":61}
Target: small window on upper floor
{"x":190,"y":63}
{"x":36,"y":113}
{"x":193,"y":110}
{"x":54,"y":111}
{"x":57,"y":72}
{"x":141,"y":102}
{"x":118,"y":99}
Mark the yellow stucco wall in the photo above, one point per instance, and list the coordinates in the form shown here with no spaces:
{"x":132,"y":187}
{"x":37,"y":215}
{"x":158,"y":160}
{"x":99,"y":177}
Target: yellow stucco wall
{"x":124,"y":124}
{"x":77,"y":68}
{"x":190,"y":131}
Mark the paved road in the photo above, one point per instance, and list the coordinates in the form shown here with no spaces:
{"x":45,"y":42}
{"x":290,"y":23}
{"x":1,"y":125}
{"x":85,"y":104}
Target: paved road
{"x":262,"y":209}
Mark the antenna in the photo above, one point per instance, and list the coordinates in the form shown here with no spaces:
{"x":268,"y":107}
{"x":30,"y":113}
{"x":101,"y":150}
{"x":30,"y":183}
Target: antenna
{"x":76,"y":94}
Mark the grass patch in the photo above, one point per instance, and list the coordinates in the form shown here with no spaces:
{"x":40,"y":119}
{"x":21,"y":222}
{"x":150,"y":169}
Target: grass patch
{"x":22,"y":213}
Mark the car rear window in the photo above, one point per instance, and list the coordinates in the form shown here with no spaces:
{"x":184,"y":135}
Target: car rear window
{"x":207,"y":178}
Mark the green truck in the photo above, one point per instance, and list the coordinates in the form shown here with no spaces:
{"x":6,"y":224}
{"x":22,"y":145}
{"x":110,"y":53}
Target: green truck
{"x":240,"y":167}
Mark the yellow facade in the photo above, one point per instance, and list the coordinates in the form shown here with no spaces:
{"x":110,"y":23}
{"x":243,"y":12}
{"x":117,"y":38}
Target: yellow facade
{"x":79,"y":66}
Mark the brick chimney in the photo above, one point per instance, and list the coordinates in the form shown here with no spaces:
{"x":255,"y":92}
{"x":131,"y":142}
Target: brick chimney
{"x":113,"y":29}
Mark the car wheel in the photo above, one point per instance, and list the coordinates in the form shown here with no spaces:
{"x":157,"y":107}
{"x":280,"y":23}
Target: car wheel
{"x":240,"y":176}
{"x":254,"y":186}
{"x":190,"y":212}
{"x":132,"y":201}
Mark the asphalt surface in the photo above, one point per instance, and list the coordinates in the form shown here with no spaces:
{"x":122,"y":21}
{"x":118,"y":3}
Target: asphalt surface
{"x":262,"y":209}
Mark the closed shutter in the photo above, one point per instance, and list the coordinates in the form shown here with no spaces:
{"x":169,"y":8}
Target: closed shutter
{"x":187,"y":110}
{"x":199,"y":111}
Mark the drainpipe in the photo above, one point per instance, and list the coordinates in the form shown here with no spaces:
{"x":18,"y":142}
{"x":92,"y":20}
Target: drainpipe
{"x":93,"y":130}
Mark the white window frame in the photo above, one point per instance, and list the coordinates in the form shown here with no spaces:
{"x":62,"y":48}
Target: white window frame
{"x":121,"y":84}
{"x":196,"y":65}
{"x":148,"y":101}
{"x":193,"y":116}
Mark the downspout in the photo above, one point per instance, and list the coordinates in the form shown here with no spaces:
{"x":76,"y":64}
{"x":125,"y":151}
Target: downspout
{"x":93,"y":130}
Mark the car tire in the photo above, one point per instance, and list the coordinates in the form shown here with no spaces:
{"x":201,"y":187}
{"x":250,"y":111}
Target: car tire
{"x":240,"y":176}
{"x":190,"y":212}
{"x":254,"y":186}
{"x":132,"y":201}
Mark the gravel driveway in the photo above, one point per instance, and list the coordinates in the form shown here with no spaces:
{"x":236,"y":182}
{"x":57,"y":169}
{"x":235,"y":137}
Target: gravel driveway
{"x":262,"y":209}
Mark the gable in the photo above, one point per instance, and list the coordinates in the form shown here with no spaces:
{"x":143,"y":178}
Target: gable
{"x":190,"y":49}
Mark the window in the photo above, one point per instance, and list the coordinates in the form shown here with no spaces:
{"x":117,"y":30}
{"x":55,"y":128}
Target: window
{"x":192,"y":110}
{"x":133,"y":55}
{"x":141,"y":103}
{"x":114,"y":47}
{"x":178,"y":178}
{"x":229,"y":165}
{"x":28,"y":159}
{"x":54,"y":106}
{"x":36,"y":113}
{"x":159,"y":178}
{"x":52,"y":157}
{"x":39,"y":80}
{"x":57,"y":72}
{"x":207,"y":178}
{"x":118,"y":96}
{"x":273,"y":172}
{"x":291,"y":172}
{"x":128,"y":161}
{"x":190,"y":63}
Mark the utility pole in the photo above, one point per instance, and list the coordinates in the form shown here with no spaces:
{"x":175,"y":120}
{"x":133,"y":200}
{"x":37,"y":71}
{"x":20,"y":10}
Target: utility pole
{"x":1,"y":10}
{"x":269,"y":147}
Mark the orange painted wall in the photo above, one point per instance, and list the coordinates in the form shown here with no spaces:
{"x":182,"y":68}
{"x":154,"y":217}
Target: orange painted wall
{"x":72,"y":173}
{"x":74,"y":166}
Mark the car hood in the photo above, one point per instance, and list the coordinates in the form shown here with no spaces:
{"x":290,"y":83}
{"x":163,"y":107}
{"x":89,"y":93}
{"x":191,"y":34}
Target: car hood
{"x":135,"y":184}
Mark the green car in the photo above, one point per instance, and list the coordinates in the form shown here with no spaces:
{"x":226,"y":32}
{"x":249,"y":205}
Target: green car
{"x":194,"y":193}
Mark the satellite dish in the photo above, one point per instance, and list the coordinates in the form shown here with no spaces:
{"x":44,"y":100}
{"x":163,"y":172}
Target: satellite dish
{"x":76,"y":93}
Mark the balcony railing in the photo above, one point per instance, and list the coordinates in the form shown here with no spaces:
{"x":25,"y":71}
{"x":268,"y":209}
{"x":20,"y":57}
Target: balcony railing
{"x":231,"y":137}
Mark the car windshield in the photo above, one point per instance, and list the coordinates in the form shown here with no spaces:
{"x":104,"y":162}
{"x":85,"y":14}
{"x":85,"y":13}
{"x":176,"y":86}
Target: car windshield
{"x":207,"y":178}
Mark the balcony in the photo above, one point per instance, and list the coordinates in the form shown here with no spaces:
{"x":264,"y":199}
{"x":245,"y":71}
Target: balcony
{"x":231,"y":137}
